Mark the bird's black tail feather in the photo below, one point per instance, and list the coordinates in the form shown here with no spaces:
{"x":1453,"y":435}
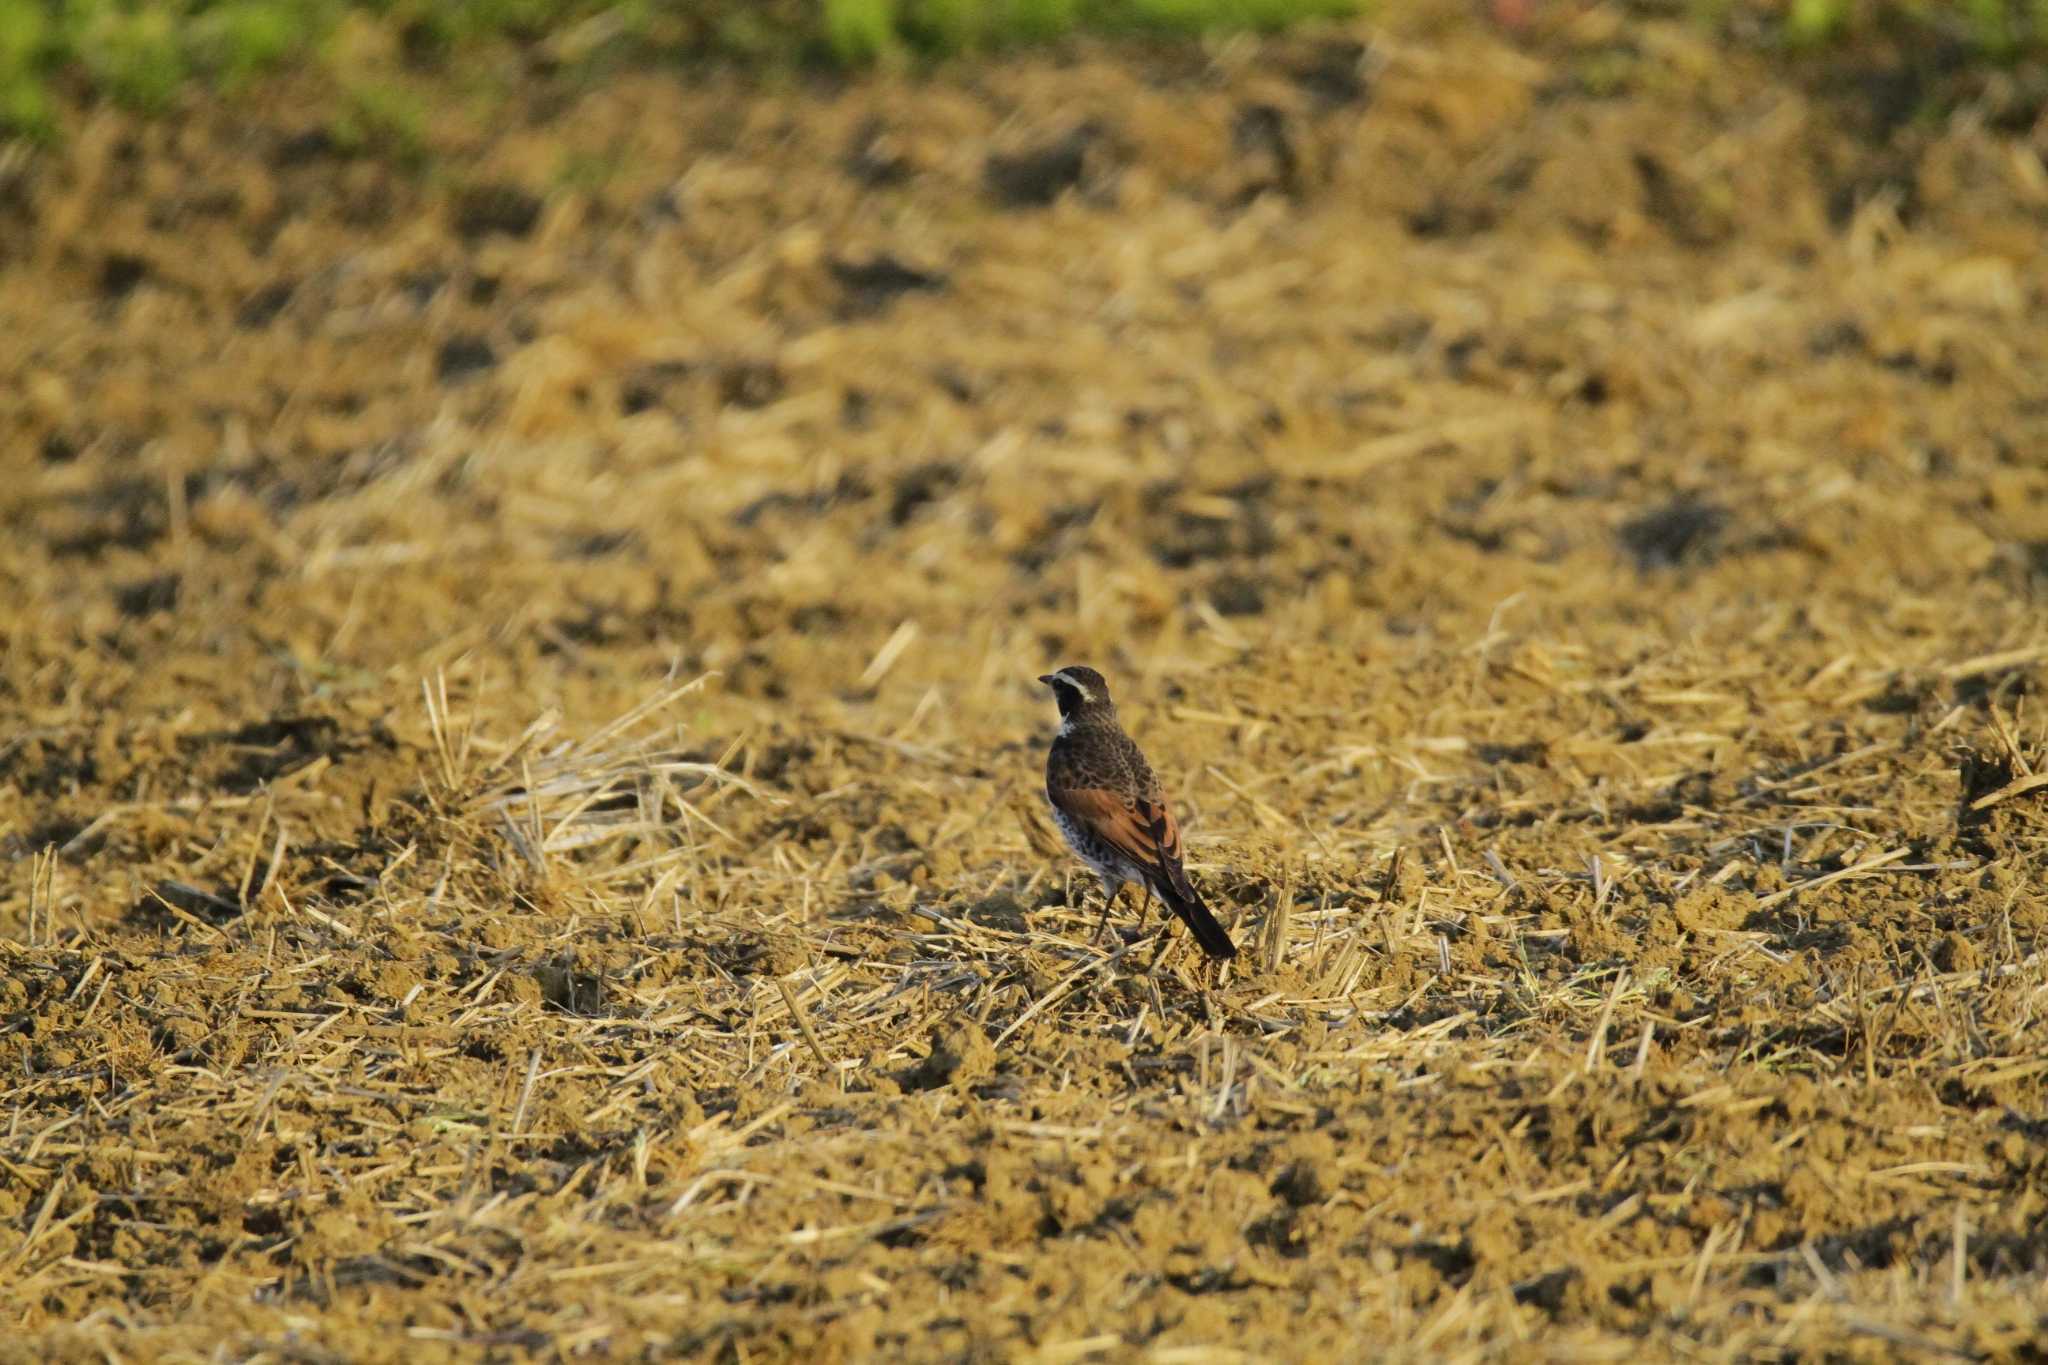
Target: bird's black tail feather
{"x":1183,"y":901}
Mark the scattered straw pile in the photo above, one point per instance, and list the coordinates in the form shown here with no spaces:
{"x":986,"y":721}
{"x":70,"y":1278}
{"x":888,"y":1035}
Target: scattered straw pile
{"x":1568,"y":521}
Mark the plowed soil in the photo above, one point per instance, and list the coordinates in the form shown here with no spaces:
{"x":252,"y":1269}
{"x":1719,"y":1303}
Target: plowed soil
{"x":519,"y":817}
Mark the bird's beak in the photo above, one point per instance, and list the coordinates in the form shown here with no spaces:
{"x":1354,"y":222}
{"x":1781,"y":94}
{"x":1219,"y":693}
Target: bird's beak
{"x":1045,"y":678}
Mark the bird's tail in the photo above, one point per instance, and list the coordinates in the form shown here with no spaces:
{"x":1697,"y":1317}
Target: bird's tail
{"x":1183,"y":901}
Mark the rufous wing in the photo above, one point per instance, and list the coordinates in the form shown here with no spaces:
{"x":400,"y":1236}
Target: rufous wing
{"x":1142,"y":830}
{"x":1145,"y":831}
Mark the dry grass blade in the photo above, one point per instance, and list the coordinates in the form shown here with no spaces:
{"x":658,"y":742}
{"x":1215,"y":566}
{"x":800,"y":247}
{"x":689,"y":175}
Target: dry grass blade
{"x":1060,"y":988}
{"x":1867,"y":865}
{"x":1554,"y":528}
{"x":623,"y":784}
{"x":2019,"y":786}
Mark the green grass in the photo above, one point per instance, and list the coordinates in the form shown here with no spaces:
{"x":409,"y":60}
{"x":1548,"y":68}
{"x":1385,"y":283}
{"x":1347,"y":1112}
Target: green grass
{"x":382,"y":117}
{"x":141,"y":53}
{"x":1997,"y":29}
{"x":858,"y":31}
{"x":146,"y":53}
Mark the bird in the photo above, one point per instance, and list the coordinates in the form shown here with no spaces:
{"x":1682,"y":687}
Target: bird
{"x":1112,"y":810}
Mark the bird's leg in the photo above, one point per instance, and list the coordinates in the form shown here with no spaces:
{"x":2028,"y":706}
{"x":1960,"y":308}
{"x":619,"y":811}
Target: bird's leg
{"x":1111,"y":900}
{"x":1109,"y":896}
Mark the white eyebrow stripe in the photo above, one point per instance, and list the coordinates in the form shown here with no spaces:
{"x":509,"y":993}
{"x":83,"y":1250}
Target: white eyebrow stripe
{"x":1068,"y":679}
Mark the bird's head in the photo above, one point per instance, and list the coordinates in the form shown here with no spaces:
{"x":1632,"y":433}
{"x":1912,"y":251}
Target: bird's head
{"x":1080,"y":691}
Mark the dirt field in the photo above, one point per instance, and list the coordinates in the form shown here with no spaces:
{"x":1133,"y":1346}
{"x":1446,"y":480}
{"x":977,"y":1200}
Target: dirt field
{"x":525,"y":668}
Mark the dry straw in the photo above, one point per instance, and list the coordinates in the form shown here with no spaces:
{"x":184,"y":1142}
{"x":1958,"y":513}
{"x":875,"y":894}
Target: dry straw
{"x":1569,"y":546}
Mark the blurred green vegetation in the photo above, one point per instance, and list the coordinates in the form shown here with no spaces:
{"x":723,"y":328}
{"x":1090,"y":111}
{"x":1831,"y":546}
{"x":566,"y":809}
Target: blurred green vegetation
{"x":859,"y":31}
{"x":1992,"y":28}
{"x":143,"y":53}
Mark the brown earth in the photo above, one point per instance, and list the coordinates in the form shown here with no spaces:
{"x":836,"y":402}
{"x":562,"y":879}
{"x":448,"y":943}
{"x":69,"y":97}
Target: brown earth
{"x":1569,"y":520}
